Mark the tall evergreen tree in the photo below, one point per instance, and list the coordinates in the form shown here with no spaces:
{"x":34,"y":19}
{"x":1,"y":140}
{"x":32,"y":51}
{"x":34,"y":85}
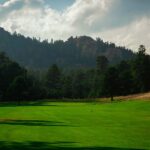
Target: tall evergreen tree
{"x":126,"y":82}
{"x":111,"y":82}
{"x":53,"y":82}
{"x":141,"y":70}
{"x":79,"y":85}
{"x":101,"y":64}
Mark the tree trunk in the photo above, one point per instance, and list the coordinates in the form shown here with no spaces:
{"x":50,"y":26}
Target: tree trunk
{"x":112,"y":98}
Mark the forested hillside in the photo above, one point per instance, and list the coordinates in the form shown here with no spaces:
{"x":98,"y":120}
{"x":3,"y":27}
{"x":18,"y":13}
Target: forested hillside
{"x":76,"y":52}
{"x":103,"y":80}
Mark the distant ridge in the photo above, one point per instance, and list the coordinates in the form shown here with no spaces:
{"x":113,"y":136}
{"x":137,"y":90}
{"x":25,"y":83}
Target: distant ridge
{"x":76,"y":52}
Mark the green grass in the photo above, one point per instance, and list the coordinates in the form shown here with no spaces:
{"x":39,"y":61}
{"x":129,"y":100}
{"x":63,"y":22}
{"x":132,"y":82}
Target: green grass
{"x":121,"y":125}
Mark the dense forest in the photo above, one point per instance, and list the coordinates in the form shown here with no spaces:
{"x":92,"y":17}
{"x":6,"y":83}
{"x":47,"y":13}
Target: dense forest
{"x":103,"y":80}
{"x":78,"y":52}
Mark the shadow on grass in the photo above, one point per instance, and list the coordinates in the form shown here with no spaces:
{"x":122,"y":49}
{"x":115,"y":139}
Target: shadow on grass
{"x":15,"y":104}
{"x":52,"y":146}
{"x":31,"y":122}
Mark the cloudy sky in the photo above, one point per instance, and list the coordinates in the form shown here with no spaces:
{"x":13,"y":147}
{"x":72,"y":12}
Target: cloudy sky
{"x":125,"y":22}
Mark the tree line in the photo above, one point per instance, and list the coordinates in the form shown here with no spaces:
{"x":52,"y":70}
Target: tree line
{"x":105,"y":80}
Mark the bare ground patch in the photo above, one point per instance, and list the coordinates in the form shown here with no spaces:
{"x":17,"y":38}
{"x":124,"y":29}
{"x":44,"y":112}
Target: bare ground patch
{"x":141,"y":96}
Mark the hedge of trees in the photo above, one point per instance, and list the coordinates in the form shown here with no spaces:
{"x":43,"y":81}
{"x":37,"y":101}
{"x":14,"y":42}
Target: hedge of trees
{"x":105,"y":80}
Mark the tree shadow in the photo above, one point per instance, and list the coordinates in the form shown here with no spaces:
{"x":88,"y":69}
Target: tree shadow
{"x":22,"y":104}
{"x":31,"y":122}
{"x":52,"y":146}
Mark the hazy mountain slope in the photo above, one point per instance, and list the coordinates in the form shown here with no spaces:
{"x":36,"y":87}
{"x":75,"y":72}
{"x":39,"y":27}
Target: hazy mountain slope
{"x":73,"y":53}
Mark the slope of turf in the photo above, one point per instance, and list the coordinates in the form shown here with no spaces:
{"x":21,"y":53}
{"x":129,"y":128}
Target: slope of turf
{"x":43,"y":126}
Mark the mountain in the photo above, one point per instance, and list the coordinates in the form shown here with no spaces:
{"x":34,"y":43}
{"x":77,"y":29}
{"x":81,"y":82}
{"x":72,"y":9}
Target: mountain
{"x":74,"y":53}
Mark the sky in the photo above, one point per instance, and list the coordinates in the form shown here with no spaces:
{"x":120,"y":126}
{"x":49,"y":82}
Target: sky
{"x":124,"y":22}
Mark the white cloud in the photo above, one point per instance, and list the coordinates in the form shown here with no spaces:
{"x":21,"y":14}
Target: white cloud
{"x":45,"y":22}
{"x":85,"y":13}
{"x":131,"y":35}
{"x":8,"y":3}
{"x":84,"y":17}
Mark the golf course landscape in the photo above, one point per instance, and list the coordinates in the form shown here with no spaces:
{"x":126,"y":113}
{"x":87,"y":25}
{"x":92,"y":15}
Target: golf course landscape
{"x":74,"y":74}
{"x":64,"y":125}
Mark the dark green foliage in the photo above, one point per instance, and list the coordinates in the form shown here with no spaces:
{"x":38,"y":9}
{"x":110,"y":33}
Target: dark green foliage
{"x":101,"y":68}
{"x":18,"y":89}
{"x":101,"y":64}
{"x":111,"y":81}
{"x":67,"y":86}
{"x":16,"y":84}
{"x":141,"y":70}
{"x":79,"y":86}
{"x":53,"y":82}
{"x":126,"y":81}
{"x":127,"y":77}
{"x":9,"y":70}
{"x":25,"y":88}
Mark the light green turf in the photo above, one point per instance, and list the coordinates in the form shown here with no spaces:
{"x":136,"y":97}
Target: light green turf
{"x":121,"y":124}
